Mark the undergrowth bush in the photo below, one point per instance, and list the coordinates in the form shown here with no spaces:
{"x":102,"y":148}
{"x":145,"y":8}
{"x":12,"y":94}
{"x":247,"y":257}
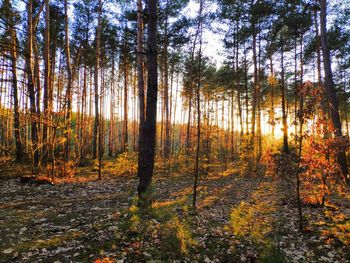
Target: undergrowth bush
{"x":320,"y":167}
{"x":126,"y":163}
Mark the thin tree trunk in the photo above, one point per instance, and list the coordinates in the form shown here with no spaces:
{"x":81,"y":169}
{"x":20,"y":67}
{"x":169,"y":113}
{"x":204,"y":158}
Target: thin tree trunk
{"x":126,"y":96}
{"x":140,"y":69}
{"x":272,"y":101}
{"x":166,"y":88}
{"x":97,"y":66}
{"x":284,"y":112}
{"x":255,"y":90}
{"x":188,"y":129}
{"x":47,"y":110}
{"x":29,"y":67}
{"x":246,"y":92}
{"x":19,"y":147}
{"x":69,"y":84}
{"x":198,"y":88}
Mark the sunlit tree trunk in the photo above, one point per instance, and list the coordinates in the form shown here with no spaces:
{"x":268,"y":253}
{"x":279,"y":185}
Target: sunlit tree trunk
{"x":140,"y":68}
{"x":47,"y":110}
{"x":166,"y":87}
{"x":198,"y":89}
{"x":37,"y":79}
{"x":284,"y":112}
{"x":272,"y":100}
{"x":246,"y":92}
{"x":30,"y":83}
{"x":255,"y":89}
{"x":111,"y":144}
{"x":69,"y":79}
{"x":259,"y":133}
{"x":188,"y":129}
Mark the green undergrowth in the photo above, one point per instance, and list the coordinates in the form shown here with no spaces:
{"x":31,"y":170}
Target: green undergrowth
{"x":254,"y":222}
{"x":166,"y":225}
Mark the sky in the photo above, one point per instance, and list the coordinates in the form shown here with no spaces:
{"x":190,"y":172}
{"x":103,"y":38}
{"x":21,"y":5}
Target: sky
{"x":213,"y":46}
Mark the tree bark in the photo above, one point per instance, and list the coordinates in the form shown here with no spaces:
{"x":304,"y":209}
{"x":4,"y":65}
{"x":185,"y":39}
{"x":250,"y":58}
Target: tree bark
{"x":147,"y":140}
{"x":46,"y":80}
{"x":30,"y":83}
{"x":69,"y":78}
{"x":167,"y":144}
{"x":140,"y":67}
{"x":126,"y":108}
{"x":198,"y":88}
{"x":284,"y":112}
{"x":19,"y":147}
{"x":97,"y":66}
{"x":330,"y":90}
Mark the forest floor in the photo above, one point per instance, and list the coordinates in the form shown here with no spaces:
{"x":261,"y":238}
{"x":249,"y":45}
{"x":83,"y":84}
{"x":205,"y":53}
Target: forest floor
{"x":239,"y":219}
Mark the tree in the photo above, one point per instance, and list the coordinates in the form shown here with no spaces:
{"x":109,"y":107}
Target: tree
{"x":330,"y":89}
{"x":199,"y":35}
{"x":140,"y":66}
{"x":30,"y":83}
{"x":148,"y":135}
{"x":97,"y":67}
{"x":46,"y":99}
{"x":69,"y":78}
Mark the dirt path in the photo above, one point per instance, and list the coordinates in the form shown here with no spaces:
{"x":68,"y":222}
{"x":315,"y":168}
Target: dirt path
{"x":238,"y":219}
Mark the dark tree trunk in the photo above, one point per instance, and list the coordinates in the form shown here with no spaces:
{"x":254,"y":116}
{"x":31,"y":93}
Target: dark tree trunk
{"x":330,"y":89}
{"x":147,"y":140}
{"x":19,"y":148}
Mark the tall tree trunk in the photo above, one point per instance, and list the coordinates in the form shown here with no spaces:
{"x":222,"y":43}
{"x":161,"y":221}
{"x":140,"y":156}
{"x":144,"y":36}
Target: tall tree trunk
{"x":166,"y":87}
{"x":140,"y":68}
{"x":272,"y":100}
{"x":83,"y":116}
{"x":255,"y":89}
{"x":296,"y":94}
{"x":330,"y":89}
{"x":246,"y":92}
{"x":47,"y":110}
{"x":198,"y":88}
{"x":97,"y":66}
{"x":147,"y":140}
{"x":69,"y":84}
{"x":259,"y":133}
{"x":111,"y":136}
{"x":36,"y":78}
{"x":19,"y":148}
{"x":101,"y":122}
{"x":188,"y":129}
{"x":284,"y":112}
{"x":30,"y":77}
{"x":318,"y":49}
{"x":126,"y":108}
